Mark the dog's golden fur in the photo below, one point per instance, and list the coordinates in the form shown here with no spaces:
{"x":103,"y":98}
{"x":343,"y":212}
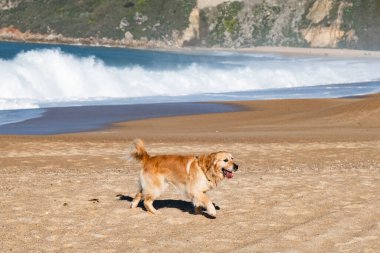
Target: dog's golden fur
{"x":194,"y":175}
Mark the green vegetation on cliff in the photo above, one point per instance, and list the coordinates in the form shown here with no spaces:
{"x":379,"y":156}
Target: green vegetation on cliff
{"x":91,"y":18}
{"x":363,"y":17}
{"x":299,"y":23}
{"x":97,"y":18}
{"x":225,"y":22}
{"x":155,"y":19}
{"x":262,"y":29}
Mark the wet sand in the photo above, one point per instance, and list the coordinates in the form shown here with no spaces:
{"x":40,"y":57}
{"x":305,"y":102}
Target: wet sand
{"x":309,"y":181}
{"x":76,"y":119}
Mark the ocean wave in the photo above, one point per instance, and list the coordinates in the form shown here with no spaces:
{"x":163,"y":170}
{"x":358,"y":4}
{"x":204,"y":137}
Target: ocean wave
{"x":14,"y":104}
{"x":49,"y":76}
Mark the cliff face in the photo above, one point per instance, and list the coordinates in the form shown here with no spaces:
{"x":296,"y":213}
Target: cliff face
{"x":206,"y":23}
{"x":302,"y":23}
{"x":9,"y":4}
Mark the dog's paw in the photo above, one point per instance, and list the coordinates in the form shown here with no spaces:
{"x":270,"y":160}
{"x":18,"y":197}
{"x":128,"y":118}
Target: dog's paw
{"x":212,"y":213}
{"x":211,"y":209}
{"x":210,"y":216}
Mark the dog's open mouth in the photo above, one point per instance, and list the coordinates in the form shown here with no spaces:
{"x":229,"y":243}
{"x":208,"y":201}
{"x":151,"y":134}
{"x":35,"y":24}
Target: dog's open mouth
{"x":227,"y":174}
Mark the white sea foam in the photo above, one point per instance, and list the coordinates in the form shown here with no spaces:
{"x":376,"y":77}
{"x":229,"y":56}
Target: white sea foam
{"x":13,"y":104}
{"x":50,"y":76}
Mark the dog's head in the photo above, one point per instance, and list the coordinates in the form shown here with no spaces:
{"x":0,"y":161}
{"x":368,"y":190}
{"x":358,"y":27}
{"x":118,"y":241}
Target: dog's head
{"x":220,"y":165}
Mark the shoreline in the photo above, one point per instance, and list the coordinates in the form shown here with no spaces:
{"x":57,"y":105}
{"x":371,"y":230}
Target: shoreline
{"x":77,"y":119}
{"x":336,"y":119}
{"x":285,"y":51}
{"x":98,"y":118}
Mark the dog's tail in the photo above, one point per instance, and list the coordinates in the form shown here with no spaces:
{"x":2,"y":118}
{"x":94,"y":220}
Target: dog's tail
{"x":139,"y":153}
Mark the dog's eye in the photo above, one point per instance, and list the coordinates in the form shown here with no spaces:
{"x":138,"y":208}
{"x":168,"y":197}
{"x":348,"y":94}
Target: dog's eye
{"x":225,"y":160}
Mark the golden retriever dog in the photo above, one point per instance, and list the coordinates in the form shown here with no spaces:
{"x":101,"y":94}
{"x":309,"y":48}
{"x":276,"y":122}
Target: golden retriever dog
{"x":193,"y":175}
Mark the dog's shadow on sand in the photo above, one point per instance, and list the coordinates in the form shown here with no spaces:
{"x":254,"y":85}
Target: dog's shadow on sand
{"x":184,"y":206}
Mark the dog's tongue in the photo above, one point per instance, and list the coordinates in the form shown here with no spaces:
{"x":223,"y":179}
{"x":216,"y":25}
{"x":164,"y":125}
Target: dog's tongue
{"x":229,"y":174}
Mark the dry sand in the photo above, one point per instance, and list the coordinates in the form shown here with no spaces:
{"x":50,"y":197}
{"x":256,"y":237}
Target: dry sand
{"x":325,"y":52}
{"x":309,"y":181}
{"x":292,"y":51}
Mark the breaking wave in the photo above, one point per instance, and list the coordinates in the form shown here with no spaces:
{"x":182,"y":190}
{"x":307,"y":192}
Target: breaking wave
{"x":37,"y":78}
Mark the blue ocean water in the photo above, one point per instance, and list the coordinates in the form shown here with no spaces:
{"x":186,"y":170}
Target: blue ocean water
{"x":37,"y":76}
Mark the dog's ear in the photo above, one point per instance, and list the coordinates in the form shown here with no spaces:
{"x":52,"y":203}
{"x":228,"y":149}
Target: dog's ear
{"x":210,"y":160}
{"x":209,"y":163}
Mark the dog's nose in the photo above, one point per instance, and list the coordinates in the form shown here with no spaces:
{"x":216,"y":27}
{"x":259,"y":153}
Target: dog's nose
{"x":236,"y":167}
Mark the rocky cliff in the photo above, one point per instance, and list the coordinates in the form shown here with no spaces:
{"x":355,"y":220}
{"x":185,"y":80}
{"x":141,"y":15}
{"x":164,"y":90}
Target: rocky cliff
{"x":206,"y":23}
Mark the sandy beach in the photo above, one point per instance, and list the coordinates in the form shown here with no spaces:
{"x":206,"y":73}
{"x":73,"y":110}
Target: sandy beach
{"x":308,"y":181}
{"x":320,"y":52}
{"x":286,"y":51}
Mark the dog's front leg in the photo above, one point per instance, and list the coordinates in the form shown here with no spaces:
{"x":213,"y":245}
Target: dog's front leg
{"x":201,"y":199}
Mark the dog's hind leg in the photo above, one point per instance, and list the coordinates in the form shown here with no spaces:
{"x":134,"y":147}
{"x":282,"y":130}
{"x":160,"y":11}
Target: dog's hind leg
{"x":152,"y":186}
{"x":137,"y":199}
{"x":150,"y":195}
{"x":148,"y":203}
